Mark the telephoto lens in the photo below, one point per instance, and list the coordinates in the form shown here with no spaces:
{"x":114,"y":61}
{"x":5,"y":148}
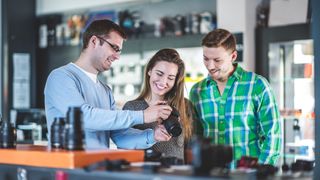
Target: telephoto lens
{"x":57,"y":132}
{"x":74,"y":135}
{"x":7,"y":135}
{"x":172,"y":124}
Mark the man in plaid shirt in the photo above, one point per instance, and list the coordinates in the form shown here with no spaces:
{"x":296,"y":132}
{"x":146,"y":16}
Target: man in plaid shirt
{"x":236,"y":107}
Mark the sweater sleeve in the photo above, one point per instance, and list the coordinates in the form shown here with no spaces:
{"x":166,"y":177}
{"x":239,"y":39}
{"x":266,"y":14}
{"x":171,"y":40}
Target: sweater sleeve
{"x":63,"y":91}
{"x":133,"y":138}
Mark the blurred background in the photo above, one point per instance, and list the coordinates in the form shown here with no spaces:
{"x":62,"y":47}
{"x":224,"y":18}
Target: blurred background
{"x":273,"y":40}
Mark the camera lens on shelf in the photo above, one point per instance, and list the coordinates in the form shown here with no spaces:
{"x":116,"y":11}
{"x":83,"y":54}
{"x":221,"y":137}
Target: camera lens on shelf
{"x":206,"y":156}
{"x":57,"y":132}
{"x":172,"y":124}
{"x":7,"y":135}
{"x":74,"y":135}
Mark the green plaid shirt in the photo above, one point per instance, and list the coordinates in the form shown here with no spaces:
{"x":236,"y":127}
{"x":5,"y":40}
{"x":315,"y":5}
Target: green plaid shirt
{"x":245,"y":116}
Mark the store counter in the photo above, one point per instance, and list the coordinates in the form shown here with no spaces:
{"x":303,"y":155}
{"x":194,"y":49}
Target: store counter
{"x":42,"y":156}
{"x":40,"y":163}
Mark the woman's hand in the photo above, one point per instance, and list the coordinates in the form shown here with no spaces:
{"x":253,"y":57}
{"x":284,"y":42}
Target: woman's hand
{"x":161,"y":134}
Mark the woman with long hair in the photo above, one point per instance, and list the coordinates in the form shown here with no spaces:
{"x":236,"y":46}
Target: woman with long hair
{"x":164,"y":81}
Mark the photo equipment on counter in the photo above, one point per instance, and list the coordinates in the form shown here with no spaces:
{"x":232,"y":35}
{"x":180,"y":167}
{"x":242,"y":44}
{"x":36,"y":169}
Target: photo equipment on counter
{"x":7,"y":135}
{"x":57,"y":132}
{"x":74,"y":135}
{"x":207,"y":156}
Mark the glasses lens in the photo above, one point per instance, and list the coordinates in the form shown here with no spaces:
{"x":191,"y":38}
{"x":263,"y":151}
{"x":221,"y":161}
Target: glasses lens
{"x":114,"y":47}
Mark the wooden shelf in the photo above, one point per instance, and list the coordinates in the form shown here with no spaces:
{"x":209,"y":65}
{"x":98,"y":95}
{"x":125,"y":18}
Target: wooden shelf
{"x":41,"y":156}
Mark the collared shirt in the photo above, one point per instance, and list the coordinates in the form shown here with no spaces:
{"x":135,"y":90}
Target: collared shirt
{"x":245,"y":116}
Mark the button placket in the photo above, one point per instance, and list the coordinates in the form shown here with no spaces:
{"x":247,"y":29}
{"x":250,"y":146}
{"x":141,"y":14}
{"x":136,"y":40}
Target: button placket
{"x":221,"y":124}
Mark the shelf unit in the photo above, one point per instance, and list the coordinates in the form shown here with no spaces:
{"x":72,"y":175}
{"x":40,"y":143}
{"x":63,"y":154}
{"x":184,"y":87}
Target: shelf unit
{"x":55,"y":56}
{"x":148,"y":44}
{"x":150,"y":12}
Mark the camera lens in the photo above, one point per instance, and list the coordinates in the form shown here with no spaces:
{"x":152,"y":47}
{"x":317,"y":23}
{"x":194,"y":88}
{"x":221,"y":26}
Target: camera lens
{"x":57,"y":130}
{"x":74,"y":134}
{"x":172,"y":124}
{"x":7,"y":135}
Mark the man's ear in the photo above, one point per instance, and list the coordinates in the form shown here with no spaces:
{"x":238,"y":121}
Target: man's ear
{"x":94,"y":41}
{"x":234,"y":55}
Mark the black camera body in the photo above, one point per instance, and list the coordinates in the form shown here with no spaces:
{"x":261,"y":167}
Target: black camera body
{"x":207,"y":156}
{"x":172,"y":124}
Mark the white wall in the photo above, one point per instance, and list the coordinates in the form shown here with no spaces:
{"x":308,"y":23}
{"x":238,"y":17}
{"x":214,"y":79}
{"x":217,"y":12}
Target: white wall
{"x":149,"y":9}
{"x":54,"y":6}
{"x":231,"y":15}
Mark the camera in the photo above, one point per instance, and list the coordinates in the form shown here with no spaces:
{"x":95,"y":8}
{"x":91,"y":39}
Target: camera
{"x":207,"y":156}
{"x":172,"y":124}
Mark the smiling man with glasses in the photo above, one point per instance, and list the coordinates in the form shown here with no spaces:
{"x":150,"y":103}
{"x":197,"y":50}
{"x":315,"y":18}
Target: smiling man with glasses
{"x":76,"y":84}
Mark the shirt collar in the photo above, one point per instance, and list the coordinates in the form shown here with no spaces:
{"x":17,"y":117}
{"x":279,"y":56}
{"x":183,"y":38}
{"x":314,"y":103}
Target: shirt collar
{"x":236,"y":74}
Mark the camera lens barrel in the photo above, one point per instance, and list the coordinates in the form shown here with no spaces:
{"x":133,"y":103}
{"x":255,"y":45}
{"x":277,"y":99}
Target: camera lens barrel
{"x":74,"y":135}
{"x":7,"y":135}
{"x":57,"y":132}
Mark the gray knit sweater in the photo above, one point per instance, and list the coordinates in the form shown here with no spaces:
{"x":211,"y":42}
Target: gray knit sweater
{"x":172,"y":148}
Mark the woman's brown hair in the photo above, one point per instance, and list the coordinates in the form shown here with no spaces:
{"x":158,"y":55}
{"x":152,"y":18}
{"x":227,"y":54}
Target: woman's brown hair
{"x":175,"y":96}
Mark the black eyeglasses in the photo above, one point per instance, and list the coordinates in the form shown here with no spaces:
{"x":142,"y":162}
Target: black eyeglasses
{"x":114,"y":47}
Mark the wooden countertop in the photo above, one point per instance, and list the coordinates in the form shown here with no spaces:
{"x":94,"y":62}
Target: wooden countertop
{"x":41,"y":156}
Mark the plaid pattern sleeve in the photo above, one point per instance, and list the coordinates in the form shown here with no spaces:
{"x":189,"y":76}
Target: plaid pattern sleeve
{"x":269,"y":122}
{"x":196,"y":123}
{"x":245,"y":116}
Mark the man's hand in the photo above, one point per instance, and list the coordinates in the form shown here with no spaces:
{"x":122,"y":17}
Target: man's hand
{"x":161,"y":134}
{"x":157,"y":112}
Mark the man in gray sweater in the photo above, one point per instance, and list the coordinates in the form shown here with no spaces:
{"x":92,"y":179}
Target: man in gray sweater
{"x":76,"y":84}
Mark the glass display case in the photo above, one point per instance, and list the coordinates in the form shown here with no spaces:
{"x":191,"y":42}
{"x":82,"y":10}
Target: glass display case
{"x":291,"y":75}
{"x":285,"y":57}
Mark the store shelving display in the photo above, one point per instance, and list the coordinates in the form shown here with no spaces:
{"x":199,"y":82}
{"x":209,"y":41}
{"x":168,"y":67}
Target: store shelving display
{"x":59,"y":36}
